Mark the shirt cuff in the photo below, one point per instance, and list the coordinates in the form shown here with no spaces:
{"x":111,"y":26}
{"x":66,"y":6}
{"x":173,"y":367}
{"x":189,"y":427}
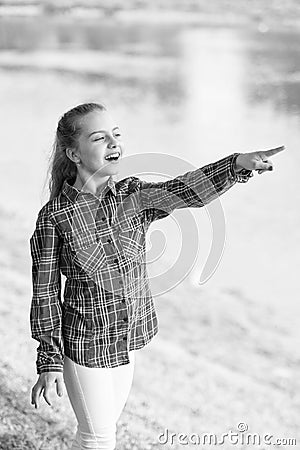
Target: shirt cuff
{"x":49,"y":363}
{"x":54,"y":368}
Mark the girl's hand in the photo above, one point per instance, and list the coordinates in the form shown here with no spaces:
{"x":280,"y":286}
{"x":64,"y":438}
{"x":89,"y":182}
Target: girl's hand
{"x":44,"y":383}
{"x":257,"y":160}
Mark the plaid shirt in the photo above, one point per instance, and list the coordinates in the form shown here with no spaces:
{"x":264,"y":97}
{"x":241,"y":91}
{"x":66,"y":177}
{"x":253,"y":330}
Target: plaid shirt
{"x":98,"y":244}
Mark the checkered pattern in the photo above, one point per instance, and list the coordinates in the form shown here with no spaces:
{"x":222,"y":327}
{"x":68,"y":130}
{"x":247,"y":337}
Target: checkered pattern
{"x":98,"y":244}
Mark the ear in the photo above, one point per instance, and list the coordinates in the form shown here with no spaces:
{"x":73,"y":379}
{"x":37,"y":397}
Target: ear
{"x":72,"y":155}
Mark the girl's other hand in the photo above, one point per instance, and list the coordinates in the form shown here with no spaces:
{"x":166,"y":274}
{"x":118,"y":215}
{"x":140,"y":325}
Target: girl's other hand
{"x":43,"y":384}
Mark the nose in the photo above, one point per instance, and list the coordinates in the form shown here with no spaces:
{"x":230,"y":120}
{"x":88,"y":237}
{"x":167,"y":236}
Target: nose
{"x":113,"y":142}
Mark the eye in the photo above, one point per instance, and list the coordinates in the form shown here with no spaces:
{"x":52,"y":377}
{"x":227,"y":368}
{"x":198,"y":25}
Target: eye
{"x":118,"y":134}
{"x":99,"y":138}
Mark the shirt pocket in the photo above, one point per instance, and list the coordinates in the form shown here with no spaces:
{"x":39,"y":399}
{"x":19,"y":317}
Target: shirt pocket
{"x":88,"y":252}
{"x":132,"y":237}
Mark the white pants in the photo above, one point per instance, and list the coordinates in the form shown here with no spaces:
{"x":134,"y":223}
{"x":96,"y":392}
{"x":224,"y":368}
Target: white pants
{"x":97,"y":396}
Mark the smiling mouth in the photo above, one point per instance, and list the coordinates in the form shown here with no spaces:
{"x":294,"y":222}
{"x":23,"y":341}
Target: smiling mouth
{"x":113,"y":156}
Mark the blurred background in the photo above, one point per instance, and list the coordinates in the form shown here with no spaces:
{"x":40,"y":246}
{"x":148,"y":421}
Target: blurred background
{"x":197,"y":80}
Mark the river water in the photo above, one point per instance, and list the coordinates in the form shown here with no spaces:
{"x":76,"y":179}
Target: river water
{"x":196,"y":93}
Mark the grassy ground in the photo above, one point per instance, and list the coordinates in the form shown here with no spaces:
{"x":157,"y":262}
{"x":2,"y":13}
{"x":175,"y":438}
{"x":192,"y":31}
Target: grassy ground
{"x":23,"y":427}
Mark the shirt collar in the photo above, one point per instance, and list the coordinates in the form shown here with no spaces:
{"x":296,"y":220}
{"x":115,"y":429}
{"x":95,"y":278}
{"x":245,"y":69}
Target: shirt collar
{"x":71,"y":192}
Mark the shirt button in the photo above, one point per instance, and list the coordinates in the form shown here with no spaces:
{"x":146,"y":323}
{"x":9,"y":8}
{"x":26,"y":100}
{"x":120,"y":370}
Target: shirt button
{"x":116,"y":260}
{"x":125,"y":319}
{"x":103,"y":218}
{"x":109,"y":240}
{"x":123,"y":300}
{"x":124,"y":338}
{"x":120,"y":281}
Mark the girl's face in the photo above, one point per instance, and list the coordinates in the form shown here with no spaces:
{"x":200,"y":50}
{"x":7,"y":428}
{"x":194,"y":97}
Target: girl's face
{"x":100,"y":136}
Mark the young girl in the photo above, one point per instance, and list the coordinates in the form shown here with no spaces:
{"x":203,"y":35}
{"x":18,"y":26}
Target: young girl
{"x":92,"y":230}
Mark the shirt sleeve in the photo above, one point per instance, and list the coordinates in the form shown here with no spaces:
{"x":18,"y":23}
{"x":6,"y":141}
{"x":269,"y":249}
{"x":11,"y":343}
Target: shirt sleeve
{"x":46,"y":306}
{"x":195,"y":188}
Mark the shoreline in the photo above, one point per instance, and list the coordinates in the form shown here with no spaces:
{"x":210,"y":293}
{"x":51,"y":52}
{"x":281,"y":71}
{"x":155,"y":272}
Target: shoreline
{"x":263,"y":17}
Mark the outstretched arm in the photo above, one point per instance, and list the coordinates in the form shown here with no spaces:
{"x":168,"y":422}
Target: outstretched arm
{"x":195,"y":188}
{"x":199,"y":187}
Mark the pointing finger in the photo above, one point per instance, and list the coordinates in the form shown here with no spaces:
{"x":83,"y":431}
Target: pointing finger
{"x":273,"y":151}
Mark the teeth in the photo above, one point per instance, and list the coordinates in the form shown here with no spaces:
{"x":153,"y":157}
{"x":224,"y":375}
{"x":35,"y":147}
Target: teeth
{"x":115,"y":154}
